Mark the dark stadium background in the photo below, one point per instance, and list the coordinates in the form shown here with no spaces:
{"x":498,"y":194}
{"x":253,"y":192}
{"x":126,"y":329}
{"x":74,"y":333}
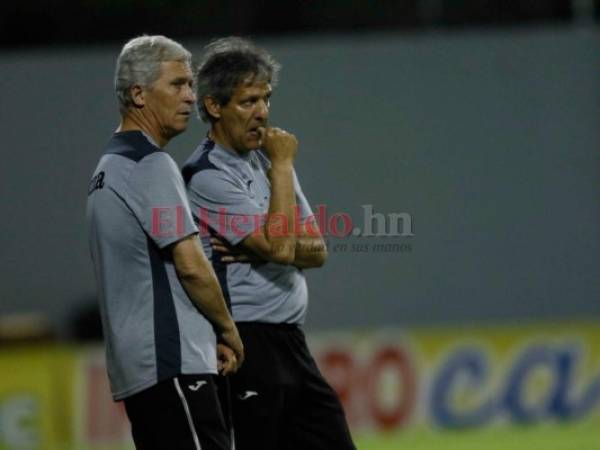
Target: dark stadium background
{"x":49,"y":23}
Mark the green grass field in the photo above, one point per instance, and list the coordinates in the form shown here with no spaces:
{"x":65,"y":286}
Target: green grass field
{"x":581,"y":436}
{"x":577,"y":436}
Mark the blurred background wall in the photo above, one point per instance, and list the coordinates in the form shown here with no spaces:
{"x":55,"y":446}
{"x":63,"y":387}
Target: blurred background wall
{"x":487,"y":137}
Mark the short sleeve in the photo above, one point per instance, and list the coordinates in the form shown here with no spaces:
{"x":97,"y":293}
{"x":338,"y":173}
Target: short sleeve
{"x":221,"y":204}
{"x":157,"y":197}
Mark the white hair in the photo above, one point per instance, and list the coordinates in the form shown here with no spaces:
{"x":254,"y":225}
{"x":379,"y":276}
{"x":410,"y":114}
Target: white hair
{"x":139,"y":63}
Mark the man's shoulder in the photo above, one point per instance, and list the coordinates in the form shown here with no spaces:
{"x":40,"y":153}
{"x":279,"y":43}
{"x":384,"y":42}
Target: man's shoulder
{"x":201,"y":164}
{"x":125,"y":155}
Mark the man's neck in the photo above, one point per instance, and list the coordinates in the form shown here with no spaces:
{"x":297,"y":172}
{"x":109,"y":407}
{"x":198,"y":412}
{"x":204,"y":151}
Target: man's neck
{"x":217,"y":135}
{"x":133,"y":122}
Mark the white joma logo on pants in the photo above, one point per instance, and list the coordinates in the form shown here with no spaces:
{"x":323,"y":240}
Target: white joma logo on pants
{"x":246,"y":395}
{"x":197,"y":386}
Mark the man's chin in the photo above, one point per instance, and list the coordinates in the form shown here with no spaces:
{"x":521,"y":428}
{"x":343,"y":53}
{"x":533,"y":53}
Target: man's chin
{"x":254,"y":144}
{"x":172,"y":132}
{"x":180,"y":128}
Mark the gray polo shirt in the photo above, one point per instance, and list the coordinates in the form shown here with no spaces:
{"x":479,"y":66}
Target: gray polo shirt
{"x":136,"y":207}
{"x":229,"y":195}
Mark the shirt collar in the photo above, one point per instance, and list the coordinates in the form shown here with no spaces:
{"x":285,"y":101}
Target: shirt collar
{"x":147,"y":136}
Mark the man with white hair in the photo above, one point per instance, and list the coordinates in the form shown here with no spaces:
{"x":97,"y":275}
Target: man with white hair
{"x":162,"y":308}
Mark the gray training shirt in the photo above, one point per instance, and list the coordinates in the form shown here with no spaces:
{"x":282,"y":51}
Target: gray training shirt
{"x":136,"y":207}
{"x":229,"y":195}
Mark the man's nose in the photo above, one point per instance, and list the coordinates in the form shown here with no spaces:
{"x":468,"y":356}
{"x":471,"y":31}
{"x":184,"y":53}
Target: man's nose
{"x":262,"y":110}
{"x":189,"y":96}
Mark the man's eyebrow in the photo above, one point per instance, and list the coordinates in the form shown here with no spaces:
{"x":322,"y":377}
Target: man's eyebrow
{"x":182,"y":79}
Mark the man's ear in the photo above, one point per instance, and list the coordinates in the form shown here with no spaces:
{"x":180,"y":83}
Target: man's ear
{"x":137,"y":96}
{"x":213,"y":108}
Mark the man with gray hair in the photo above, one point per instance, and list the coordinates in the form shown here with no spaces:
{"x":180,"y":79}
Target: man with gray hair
{"x":260,"y":233}
{"x":161,"y":305}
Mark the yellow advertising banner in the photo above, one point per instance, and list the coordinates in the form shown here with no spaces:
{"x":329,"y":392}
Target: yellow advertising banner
{"x":58,"y":398}
{"x":464,"y":377}
{"x":36,"y":398}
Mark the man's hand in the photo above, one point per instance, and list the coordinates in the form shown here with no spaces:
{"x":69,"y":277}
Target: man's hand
{"x":231,"y":338}
{"x":279,"y":145}
{"x":235,"y":254}
{"x":226,"y":360}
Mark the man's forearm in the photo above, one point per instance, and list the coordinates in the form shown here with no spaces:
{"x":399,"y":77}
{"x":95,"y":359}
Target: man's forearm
{"x":279,"y":230}
{"x":204,"y":290}
{"x":200,"y":282}
{"x":310,"y":252}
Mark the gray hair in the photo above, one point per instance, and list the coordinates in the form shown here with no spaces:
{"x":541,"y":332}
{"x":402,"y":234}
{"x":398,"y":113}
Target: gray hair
{"x":139,"y":63}
{"x":227,"y":63}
